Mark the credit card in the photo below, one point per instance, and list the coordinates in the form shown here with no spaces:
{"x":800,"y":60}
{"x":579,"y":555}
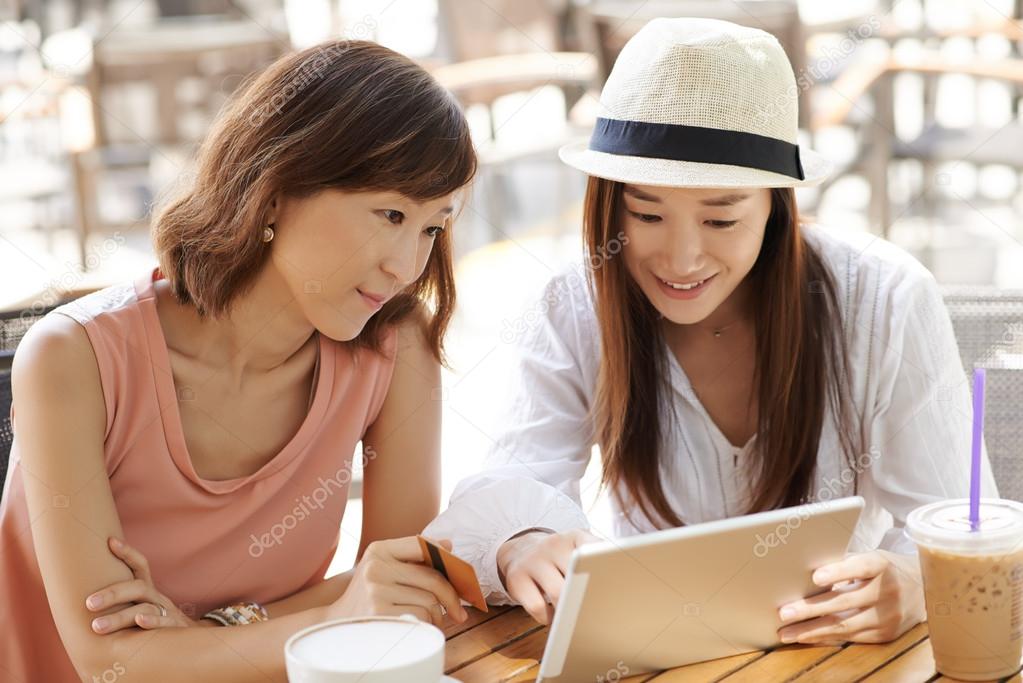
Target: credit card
{"x":457,"y":571}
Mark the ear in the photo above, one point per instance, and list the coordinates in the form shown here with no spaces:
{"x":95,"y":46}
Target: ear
{"x":272,"y":211}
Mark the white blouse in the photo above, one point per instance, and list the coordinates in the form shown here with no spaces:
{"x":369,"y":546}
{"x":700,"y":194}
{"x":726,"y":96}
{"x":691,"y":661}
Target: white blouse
{"x":910,"y":395}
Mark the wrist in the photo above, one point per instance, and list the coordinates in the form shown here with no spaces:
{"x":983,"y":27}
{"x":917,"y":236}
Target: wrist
{"x":512,"y":548}
{"x":238,"y":614}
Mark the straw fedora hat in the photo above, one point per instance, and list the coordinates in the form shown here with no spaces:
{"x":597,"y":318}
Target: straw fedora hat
{"x":699,"y":103}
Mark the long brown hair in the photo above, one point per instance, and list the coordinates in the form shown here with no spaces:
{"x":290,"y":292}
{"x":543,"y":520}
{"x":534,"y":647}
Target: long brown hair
{"x":801,"y":363}
{"x":347,"y":115}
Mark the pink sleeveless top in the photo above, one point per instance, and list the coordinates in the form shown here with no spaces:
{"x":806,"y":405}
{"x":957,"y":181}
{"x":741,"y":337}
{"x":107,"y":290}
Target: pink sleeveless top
{"x":261,"y":537}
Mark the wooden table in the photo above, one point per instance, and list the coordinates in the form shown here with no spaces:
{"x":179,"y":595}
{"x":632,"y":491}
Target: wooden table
{"x":506,"y":645}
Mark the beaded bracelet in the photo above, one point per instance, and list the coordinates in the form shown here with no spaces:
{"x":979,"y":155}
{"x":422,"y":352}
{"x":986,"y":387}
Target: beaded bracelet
{"x":238,"y":614}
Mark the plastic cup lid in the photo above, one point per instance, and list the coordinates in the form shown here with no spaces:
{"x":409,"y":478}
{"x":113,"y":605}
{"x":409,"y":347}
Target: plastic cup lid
{"x":946,"y":524}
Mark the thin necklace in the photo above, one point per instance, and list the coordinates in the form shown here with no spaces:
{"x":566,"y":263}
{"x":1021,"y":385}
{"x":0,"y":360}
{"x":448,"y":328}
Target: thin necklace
{"x":718,"y":330}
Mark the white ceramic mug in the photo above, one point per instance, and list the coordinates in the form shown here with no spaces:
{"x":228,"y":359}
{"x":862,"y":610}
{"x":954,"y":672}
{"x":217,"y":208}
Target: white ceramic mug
{"x":367,"y":650}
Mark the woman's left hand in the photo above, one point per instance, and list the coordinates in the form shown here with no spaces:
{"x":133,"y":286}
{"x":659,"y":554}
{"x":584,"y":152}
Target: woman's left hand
{"x":140,"y":594}
{"x":875,"y":597}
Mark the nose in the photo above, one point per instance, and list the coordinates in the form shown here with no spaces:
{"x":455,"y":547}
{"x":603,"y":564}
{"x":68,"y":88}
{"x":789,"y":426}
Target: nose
{"x":402,"y":257}
{"x":685,"y":249}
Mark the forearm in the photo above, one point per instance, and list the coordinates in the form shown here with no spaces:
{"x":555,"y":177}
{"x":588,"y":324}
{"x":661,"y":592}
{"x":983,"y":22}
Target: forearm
{"x":319,"y":595}
{"x":227,"y":654}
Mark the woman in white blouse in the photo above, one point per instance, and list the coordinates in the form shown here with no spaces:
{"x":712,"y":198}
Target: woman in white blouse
{"x":725,"y":357}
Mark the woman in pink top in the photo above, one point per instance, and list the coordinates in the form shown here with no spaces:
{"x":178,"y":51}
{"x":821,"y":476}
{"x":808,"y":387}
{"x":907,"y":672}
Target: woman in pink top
{"x":207,"y":413}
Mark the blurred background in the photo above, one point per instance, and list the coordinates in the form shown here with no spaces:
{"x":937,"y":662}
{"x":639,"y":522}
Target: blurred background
{"x":103,"y":102}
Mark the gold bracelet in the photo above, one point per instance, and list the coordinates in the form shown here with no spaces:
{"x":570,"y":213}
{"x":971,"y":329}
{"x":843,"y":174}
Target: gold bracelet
{"x":238,"y":614}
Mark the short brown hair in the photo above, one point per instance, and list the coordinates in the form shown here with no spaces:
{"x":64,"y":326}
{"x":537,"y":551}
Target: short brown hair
{"x":350,"y":115}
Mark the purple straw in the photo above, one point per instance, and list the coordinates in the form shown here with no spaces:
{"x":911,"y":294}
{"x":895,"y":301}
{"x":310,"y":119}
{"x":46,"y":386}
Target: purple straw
{"x":979,"y":377}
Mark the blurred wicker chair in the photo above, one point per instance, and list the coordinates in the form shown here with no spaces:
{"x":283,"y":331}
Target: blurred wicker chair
{"x":988,"y":325}
{"x":6,"y":432}
{"x":13,"y":326}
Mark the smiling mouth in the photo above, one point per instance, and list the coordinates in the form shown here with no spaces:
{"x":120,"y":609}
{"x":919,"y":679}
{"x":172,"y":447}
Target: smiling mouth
{"x":375,"y":298}
{"x":684,"y":286}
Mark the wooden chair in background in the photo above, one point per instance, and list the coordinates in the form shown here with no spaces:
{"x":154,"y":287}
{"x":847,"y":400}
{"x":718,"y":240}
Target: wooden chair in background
{"x":506,"y":47}
{"x":188,"y":68}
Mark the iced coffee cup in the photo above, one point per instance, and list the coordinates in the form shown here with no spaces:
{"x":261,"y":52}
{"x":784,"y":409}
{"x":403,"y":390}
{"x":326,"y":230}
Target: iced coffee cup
{"x":973,"y":585}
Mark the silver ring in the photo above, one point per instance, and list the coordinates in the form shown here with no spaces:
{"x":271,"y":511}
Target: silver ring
{"x":163,"y":610}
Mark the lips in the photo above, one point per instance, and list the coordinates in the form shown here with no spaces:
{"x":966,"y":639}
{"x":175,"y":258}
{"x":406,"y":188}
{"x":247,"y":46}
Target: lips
{"x":374,"y":301}
{"x":378,"y":299}
{"x":688,"y":284}
{"x":685,"y":290}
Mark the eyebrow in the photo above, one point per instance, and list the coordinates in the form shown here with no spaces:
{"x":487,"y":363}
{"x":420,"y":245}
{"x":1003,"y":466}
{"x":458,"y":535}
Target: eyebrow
{"x":723,"y":200}
{"x":639,"y":194}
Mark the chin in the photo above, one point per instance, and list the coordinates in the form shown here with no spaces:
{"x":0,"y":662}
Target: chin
{"x":686,"y":313}
{"x":337,"y":327}
{"x":340,"y":332}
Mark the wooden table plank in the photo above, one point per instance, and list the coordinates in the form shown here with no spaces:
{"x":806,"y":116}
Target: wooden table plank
{"x":708,"y":671}
{"x":530,"y":675}
{"x":488,"y":637}
{"x":506,"y":664}
{"x":476,"y":617}
{"x":858,"y":659}
{"x":916,"y":664}
{"x":506,"y":645}
{"x":783,"y":663}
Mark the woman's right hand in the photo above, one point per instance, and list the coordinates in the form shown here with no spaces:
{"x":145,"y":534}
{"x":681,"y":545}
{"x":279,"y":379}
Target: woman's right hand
{"x":391,"y":580}
{"x":533,"y":567}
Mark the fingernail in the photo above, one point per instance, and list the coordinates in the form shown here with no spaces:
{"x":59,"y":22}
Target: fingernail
{"x":145,"y":620}
{"x":94,"y":601}
{"x":463,"y":615}
{"x":116,"y":542}
{"x":99,"y":624}
{"x":822,"y":577}
{"x":787,"y":613}
{"x":788,"y":638}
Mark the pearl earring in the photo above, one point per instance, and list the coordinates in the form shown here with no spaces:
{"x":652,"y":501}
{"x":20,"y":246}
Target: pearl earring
{"x":268,"y":233}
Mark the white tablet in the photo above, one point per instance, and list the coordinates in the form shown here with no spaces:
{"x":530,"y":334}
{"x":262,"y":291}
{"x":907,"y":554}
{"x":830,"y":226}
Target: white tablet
{"x":673,"y":597}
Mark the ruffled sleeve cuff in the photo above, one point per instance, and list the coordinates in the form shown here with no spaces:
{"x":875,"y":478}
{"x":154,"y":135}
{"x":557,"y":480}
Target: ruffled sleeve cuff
{"x":480,"y":520}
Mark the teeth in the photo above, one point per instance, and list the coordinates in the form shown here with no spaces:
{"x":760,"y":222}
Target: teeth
{"x":679,"y":286}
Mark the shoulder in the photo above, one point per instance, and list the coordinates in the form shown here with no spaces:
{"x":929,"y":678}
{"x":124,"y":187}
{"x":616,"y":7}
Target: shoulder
{"x":406,"y":347}
{"x":564,"y":302}
{"x":55,"y":372}
{"x":871,"y":274}
{"x":104,"y":302}
{"x":56,"y":345}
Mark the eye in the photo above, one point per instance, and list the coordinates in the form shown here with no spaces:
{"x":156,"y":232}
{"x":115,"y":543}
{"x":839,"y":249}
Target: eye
{"x":646,"y":217}
{"x":721,"y":224}
{"x":393,"y":216}
{"x":434,"y":230}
